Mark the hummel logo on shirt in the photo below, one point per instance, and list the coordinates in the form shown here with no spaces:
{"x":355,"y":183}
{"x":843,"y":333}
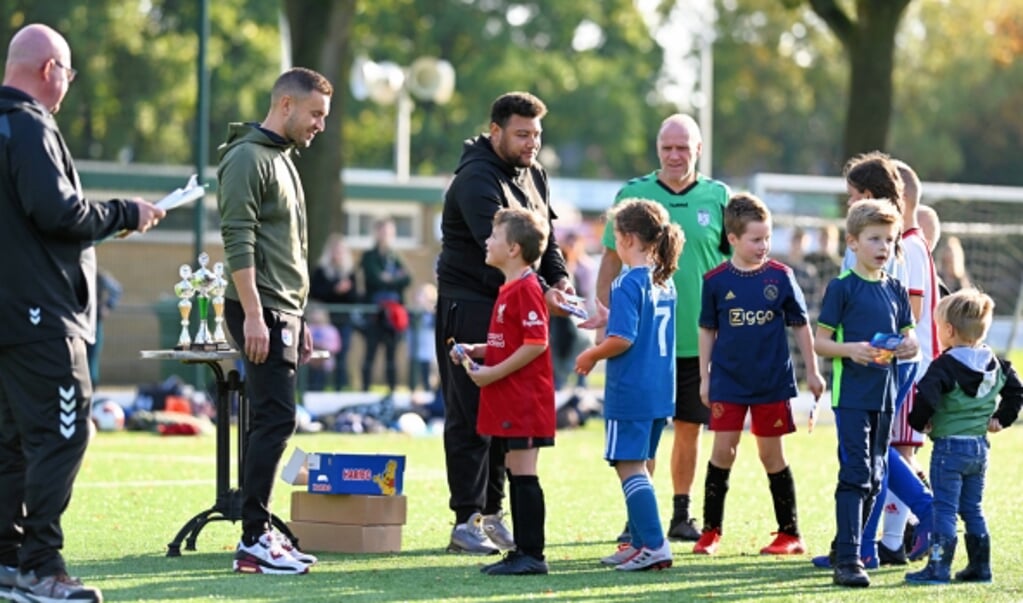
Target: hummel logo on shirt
{"x":730,"y":296}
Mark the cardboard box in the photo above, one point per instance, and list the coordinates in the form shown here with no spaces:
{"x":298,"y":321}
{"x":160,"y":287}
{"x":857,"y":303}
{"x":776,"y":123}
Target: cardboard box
{"x":348,"y":509}
{"x":376,"y":474}
{"x":333,"y":538}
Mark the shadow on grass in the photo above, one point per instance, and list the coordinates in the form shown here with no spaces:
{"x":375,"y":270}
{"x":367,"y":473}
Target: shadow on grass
{"x":434,"y":575}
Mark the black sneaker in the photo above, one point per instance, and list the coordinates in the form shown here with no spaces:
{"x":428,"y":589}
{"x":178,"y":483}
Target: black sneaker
{"x":889,"y":556}
{"x":518,"y":564}
{"x":683,"y":530}
{"x":851,"y":574}
{"x":625,"y":537}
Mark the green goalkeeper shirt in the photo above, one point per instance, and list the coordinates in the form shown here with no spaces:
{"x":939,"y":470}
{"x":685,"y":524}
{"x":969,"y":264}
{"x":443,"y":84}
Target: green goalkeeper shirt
{"x":699,"y":212}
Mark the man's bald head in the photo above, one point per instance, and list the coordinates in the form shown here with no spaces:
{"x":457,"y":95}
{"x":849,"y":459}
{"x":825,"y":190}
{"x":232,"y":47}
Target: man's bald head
{"x":681,"y":121}
{"x":38,"y":64}
{"x":36,"y":43}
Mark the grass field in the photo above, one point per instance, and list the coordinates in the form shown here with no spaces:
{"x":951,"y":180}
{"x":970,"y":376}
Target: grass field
{"x":136,"y":490}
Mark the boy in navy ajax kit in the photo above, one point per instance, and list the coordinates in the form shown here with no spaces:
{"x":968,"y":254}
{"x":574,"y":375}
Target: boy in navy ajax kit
{"x":746,"y":368}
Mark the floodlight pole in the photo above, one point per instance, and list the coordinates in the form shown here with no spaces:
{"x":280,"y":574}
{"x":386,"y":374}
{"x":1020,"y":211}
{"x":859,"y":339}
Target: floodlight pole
{"x":403,"y":135}
{"x":706,"y":112}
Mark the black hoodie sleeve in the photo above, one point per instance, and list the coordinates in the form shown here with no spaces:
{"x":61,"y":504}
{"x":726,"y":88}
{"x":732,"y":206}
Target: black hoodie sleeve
{"x":50,"y":193}
{"x":1011,"y":395}
{"x":552,"y":262}
{"x":936,"y":382}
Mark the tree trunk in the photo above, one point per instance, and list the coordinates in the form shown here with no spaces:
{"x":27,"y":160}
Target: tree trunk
{"x":869,"y":42}
{"x":321,"y":40}
{"x":871,"y":51}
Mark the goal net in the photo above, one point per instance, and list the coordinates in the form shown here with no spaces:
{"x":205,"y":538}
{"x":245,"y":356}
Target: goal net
{"x":986,"y":220}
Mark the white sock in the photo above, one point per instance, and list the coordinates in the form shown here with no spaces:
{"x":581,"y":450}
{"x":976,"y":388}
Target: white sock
{"x":895,"y":516}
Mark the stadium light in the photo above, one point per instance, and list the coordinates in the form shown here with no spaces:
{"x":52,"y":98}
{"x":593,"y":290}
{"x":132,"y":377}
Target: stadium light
{"x":386,"y":83}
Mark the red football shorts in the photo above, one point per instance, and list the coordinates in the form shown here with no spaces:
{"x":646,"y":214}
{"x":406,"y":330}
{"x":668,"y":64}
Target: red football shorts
{"x":768,"y":419}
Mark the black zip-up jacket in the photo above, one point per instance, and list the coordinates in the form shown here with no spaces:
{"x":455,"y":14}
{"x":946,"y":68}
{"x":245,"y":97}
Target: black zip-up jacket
{"x":47,"y":229}
{"x":483,"y":184}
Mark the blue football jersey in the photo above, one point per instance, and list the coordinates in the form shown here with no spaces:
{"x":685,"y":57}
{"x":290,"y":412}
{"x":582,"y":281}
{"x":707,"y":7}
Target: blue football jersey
{"x":641,"y":381}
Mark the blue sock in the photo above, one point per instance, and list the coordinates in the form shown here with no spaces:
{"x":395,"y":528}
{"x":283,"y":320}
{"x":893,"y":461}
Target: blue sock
{"x":644,"y":520}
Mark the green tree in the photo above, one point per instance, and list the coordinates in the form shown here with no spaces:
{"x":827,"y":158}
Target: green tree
{"x":775,"y":79}
{"x":600,"y":122}
{"x":134,"y":99}
{"x":869,"y":42}
{"x":957,"y":112}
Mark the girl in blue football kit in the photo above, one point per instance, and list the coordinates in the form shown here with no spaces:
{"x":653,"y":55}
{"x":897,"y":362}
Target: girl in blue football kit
{"x":640,"y":342}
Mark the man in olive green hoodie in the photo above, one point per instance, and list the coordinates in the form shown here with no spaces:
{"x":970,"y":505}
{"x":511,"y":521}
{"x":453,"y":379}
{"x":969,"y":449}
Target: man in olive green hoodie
{"x":263,"y":223}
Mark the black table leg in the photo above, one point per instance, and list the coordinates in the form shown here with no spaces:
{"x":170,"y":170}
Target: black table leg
{"x":228,"y":506}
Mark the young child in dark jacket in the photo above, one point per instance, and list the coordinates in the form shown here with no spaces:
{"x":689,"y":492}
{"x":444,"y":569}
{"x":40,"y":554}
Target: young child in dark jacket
{"x":956,"y":406}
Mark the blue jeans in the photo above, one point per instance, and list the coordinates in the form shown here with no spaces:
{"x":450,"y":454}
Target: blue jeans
{"x":958,"y":466}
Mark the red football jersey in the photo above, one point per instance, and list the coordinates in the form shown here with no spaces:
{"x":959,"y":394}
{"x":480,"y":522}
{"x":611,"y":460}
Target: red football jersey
{"x":522,"y":404}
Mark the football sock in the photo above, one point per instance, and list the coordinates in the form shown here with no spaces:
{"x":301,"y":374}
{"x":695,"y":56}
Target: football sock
{"x":642,"y":506}
{"x":529,"y":513}
{"x":715,"y":489}
{"x":680,"y":504}
{"x":896,"y":514}
{"x":783,"y":494}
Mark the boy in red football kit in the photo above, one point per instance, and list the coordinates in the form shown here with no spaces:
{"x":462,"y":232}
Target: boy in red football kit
{"x":516,"y":381}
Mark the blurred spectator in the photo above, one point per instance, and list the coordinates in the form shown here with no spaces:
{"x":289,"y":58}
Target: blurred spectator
{"x":386,"y":279}
{"x":827,"y":259}
{"x":952,"y":265}
{"x":326,"y":337}
{"x":805,"y":272}
{"x":566,"y":340}
{"x":333,"y":282}
{"x":421,"y":337}
{"x":108,"y":295}
{"x":929,"y":224}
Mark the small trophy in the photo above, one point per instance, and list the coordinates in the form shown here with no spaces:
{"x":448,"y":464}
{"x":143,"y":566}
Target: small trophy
{"x":203,"y":281}
{"x":184,"y":291}
{"x":219,"y":285}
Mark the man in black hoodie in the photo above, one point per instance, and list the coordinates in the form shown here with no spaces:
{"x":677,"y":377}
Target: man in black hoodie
{"x":48,"y":312}
{"x":497,"y":170}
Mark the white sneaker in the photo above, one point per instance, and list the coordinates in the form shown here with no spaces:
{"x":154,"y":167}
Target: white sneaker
{"x":290,"y":547}
{"x":648,"y":559}
{"x":624,"y":552}
{"x":266,"y":556}
{"x":498,"y":532}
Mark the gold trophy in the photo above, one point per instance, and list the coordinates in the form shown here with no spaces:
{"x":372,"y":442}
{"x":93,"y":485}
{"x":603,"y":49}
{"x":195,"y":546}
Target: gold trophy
{"x":219,"y":285}
{"x":184,"y":291}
